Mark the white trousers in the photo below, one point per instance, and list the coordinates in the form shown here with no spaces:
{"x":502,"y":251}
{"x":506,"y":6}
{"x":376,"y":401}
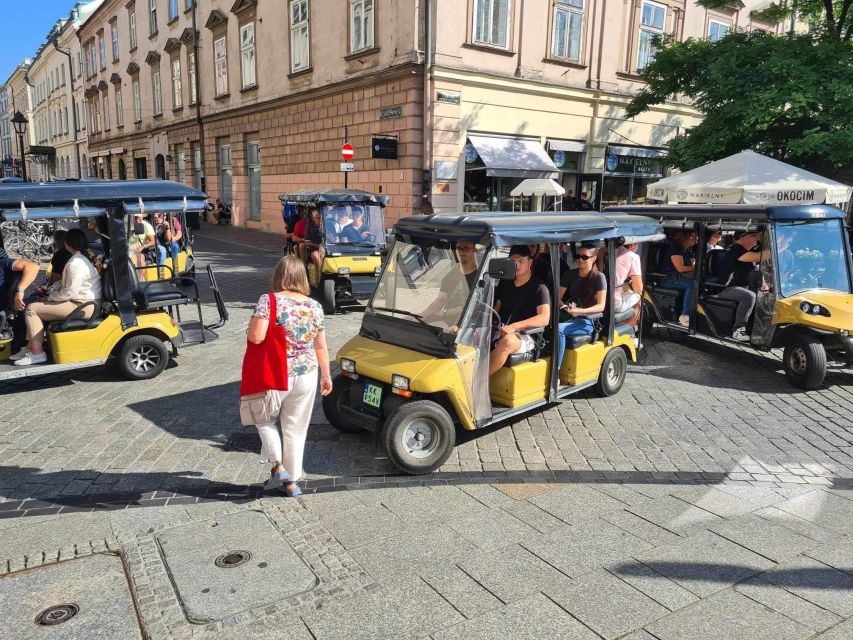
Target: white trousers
{"x":288,"y":445}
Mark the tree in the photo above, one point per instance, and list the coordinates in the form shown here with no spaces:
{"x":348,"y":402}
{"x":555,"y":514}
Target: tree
{"x":789,"y":97}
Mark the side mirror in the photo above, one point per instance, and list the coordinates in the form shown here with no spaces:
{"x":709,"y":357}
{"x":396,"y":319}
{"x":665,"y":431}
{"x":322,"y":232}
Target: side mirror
{"x":138,"y":228}
{"x":501,"y":269}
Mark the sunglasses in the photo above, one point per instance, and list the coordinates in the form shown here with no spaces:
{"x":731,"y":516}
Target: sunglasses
{"x":585,"y":257}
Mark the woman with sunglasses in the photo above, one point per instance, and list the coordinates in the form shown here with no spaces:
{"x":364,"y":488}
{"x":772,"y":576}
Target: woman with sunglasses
{"x":583,"y":292}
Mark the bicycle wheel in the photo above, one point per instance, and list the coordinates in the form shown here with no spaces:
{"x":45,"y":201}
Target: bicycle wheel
{"x":29,"y":250}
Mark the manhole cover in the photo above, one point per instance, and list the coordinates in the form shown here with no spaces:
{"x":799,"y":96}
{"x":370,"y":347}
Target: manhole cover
{"x":57,"y":615}
{"x":232,"y":559}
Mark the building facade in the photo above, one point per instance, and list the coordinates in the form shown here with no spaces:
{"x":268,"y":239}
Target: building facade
{"x":20,"y":99}
{"x":7,"y":156}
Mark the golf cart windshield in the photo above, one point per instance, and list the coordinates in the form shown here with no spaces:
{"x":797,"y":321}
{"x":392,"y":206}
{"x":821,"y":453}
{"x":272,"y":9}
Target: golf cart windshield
{"x":359,"y":225}
{"x":428,"y":281}
{"x":810,"y":255}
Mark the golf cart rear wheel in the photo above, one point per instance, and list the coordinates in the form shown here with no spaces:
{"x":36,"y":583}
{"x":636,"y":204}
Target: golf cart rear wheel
{"x":333,"y":402}
{"x":805,"y":362}
{"x":614,"y":368}
{"x":419,"y":437}
{"x":647,"y":320}
{"x":142,"y":357}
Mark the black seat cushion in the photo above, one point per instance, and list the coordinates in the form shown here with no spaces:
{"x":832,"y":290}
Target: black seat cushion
{"x":668,"y":292}
{"x":517,"y":358}
{"x":75,"y":325}
{"x":624,"y":316}
{"x":720,"y":302}
{"x":626,"y":330}
{"x":573,"y":342}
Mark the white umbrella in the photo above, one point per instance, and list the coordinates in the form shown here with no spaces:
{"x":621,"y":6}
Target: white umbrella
{"x":749,"y":178}
{"x":537,"y":187}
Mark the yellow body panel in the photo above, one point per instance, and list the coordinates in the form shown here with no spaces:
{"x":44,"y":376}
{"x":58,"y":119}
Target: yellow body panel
{"x":5,"y":349}
{"x":839,"y":305}
{"x":582,"y":364}
{"x":427,"y":374}
{"x":516,"y":386}
{"x":360,"y":265}
{"x":68,"y":347}
{"x":151,"y":272}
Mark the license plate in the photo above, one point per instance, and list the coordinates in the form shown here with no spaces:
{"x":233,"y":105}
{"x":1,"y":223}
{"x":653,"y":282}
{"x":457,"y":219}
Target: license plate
{"x":372,"y":395}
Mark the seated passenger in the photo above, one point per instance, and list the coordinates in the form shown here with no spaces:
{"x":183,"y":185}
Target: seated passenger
{"x":313,"y":245}
{"x":59,"y":258}
{"x":585,"y":291}
{"x":300,"y":231}
{"x":80,"y":284}
{"x":358,"y":231}
{"x":161,"y":232}
{"x":628,"y":272}
{"x":713,"y":242}
{"x":29,"y":272}
{"x":734,"y":274}
{"x":455,"y":286}
{"x":679,"y":267}
{"x":141,"y":246}
{"x":521,"y":304}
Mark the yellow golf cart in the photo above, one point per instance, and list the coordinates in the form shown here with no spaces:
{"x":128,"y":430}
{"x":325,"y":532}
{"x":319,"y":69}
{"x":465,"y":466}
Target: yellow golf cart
{"x":137,"y":323}
{"x":352,"y":238}
{"x":415,"y":371}
{"x":802,"y":284}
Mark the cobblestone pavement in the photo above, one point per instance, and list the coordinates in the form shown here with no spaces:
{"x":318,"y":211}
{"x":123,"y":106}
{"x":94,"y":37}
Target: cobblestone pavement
{"x":706,"y":500}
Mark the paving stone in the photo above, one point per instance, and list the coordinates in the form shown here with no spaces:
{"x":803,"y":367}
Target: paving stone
{"x":837,"y":554}
{"x":575,"y":503}
{"x":578,"y":549}
{"x":643,"y":529}
{"x":702,"y":563}
{"x":411,"y":612}
{"x":675,"y":515}
{"x":525,"y":491}
{"x":606,"y":604}
{"x":721,"y":503}
{"x":786,"y":603}
{"x":363,"y":526}
{"x":770,"y":540}
{"x":816,"y":582}
{"x":841,"y":631}
{"x":724,"y":616}
{"x":660,"y":589}
{"x":533,"y":618}
{"x":823,"y":509}
{"x":325,"y":504}
{"x":511,"y":573}
{"x":468,"y":596}
{"x":492,"y":529}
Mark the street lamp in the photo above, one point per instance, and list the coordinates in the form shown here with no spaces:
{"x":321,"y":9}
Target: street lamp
{"x":20,"y":122}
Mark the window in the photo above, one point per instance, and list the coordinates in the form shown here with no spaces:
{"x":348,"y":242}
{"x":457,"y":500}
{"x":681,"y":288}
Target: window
{"x":247,"y":54}
{"x":158,"y":97}
{"x":131,"y":19}
{"x":717,"y":30}
{"x":191,"y":71}
{"x":114,"y":29}
{"x":173,"y":10}
{"x":226,"y":190}
{"x":182,"y":166}
{"x":568,"y":29}
{"x":102,"y":54}
{"x":652,"y":22}
{"x":106,"y":112}
{"x":188,"y":3}
{"x":137,"y":102}
{"x":177,"y":90}
{"x":253,"y":171}
{"x":79,"y":63}
{"x":220,"y":66}
{"x":119,"y":108}
{"x":491,"y":22}
{"x":299,"y":36}
{"x":361,"y":25}
{"x":65,"y":120}
{"x":96,"y":119}
{"x":152,"y":17}
{"x":84,"y":110}
{"x":62,"y":73}
{"x":198,"y":174}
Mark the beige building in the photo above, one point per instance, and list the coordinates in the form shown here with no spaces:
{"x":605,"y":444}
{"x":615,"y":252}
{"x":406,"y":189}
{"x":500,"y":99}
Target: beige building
{"x":20,"y":99}
{"x":252,"y":98}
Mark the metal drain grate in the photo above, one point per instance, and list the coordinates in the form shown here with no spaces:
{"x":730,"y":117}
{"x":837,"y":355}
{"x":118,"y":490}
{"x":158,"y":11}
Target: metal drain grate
{"x":233,"y":559}
{"x":57,"y":614}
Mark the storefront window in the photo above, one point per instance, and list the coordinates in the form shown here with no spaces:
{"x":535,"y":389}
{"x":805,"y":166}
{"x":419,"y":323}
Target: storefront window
{"x":628,"y":174}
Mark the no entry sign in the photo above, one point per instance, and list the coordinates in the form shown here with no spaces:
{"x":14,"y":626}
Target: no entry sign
{"x":347,"y":152}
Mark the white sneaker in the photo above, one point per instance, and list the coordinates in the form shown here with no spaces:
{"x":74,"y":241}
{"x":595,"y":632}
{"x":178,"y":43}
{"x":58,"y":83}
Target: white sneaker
{"x":684,"y":321}
{"x":20,"y":354}
{"x":741,"y":335}
{"x":31,"y":358}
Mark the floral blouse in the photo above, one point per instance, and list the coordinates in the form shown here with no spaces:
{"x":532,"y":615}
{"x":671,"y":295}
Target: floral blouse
{"x":302,"y":321}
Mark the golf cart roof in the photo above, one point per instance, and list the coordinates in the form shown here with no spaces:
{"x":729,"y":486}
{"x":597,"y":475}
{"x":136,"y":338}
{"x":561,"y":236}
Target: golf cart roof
{"x":334,"y":196}
{"x":509,"y":228}
{"x":740,"y":212}
{"x":31,"y":201}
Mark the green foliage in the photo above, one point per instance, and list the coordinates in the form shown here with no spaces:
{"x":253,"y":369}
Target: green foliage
{"x":789,"y":97}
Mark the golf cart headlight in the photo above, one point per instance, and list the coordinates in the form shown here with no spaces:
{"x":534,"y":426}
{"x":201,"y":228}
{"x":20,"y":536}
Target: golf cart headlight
{"x":400,"y":382}
{"x":343,"y":271}
{"x":347,"y":365}
{"x":805,"y":307}
{"x":377,"y":271}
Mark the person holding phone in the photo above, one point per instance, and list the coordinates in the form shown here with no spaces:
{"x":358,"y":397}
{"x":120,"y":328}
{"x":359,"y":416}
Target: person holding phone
{"x":583,"y":292}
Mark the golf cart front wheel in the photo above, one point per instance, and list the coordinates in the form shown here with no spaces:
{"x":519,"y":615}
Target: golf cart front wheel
{"x":333,"y":403}
{"x":327,"y":296}
{"x":419,"y":436}
{"x":805,"y":362}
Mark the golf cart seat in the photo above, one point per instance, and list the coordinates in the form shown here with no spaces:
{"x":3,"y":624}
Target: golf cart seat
{"x":538,"y":336}
{"x":621,"y":320}
{"x":160,"y":293}
{"x":75,"y":320}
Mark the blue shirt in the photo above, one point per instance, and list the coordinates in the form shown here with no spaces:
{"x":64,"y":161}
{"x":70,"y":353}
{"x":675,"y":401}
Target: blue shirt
{"x":6,"y":273}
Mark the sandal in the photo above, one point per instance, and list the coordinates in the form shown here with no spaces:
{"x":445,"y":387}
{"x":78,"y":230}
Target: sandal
{"x":277,"y":479}
{"x":291,"y":489}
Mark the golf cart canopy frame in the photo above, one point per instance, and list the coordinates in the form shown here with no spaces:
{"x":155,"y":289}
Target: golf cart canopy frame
{"x":507,"y":228}
{"x":740,"y":212}
{"x":31,"y":201}
{"x":333,"y":196}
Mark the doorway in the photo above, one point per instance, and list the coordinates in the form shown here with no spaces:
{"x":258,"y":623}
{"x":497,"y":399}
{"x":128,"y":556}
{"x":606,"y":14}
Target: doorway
{"x":140,"y":168}
{"x":122,"y":170}
{"x":160,"y":166}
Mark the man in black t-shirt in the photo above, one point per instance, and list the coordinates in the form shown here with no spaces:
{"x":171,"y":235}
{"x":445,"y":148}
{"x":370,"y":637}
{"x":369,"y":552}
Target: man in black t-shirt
{"x":521,"y":304}
{"x":739,"y":263}
{"x":453,"y":290}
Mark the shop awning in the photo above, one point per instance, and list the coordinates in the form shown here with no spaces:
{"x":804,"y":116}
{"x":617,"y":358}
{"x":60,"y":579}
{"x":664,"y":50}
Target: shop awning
{"x":637,"y":152}
{"x":514,"y":157}
{"x":570,"y":146}
{"x":537,"y":187}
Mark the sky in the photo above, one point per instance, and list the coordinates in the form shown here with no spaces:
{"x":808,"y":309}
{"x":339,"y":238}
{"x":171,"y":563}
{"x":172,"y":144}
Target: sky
{"x":23,"y":27}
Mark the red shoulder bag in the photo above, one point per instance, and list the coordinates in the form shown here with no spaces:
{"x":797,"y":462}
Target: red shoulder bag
{"x":265,"y":364}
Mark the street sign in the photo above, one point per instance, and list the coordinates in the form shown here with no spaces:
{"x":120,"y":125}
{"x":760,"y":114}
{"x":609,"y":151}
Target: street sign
{"x":347,"y":166}
{"x":347,"y":152}
{"x":384,"y":147}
